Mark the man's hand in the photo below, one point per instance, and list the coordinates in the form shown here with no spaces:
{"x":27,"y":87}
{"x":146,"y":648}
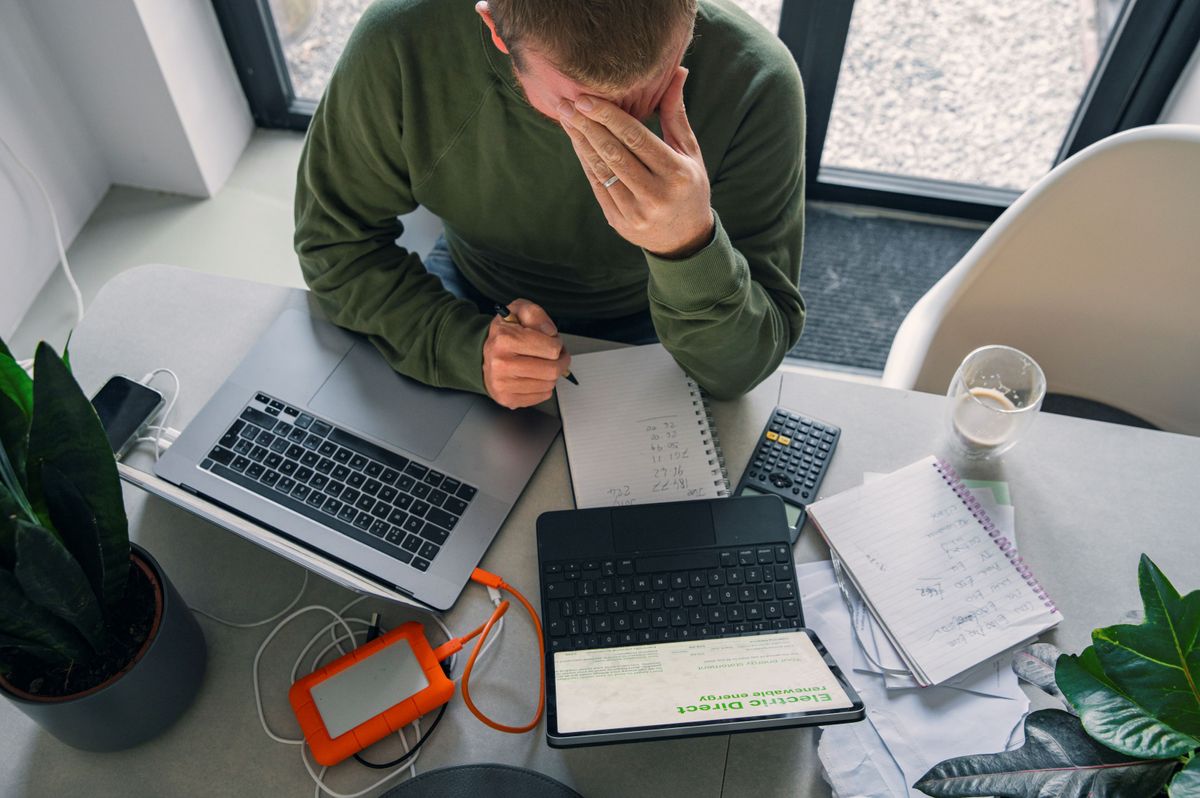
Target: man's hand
{"x":662,"y":200}
{"x":522,"y":362}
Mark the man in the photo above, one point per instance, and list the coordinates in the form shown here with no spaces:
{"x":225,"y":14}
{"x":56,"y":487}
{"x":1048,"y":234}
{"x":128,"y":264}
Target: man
{"x":552,"y":139}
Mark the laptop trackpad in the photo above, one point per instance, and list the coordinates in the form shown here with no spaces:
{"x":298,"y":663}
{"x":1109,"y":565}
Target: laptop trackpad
{"x":366,"y":395}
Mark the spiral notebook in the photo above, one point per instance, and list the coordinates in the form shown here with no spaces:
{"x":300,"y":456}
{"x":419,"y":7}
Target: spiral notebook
{"x":949,"y":590}
{"x":638,"y":431}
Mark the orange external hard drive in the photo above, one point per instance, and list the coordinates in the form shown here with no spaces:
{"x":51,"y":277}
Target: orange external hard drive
{"x":373,"y":691}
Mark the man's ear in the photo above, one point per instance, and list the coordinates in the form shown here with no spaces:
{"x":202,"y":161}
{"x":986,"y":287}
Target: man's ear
{"x":482,"y":9}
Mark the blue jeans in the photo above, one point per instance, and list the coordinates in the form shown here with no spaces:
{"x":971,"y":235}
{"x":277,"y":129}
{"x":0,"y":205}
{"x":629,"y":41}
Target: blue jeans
{"x":635,"y":329}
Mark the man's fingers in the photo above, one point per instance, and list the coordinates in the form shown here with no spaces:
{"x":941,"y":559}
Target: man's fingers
{"x":533,"y":316}
{"x":627,"y":146}
{"x":512,"y":339}
{"x":531,"y":368}
{"x":677,"y":130}
{"x":605,"y":196}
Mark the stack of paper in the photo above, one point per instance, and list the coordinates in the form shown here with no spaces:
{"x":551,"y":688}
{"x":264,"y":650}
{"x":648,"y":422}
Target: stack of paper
{"x":908,"y":729}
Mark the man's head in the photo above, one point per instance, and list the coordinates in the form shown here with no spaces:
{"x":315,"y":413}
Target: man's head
{"x":625,"y":51}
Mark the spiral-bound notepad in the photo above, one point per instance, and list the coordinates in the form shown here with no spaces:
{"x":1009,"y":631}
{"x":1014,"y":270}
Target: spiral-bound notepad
{"x":948,"y":588}
{"x":638,"y":431}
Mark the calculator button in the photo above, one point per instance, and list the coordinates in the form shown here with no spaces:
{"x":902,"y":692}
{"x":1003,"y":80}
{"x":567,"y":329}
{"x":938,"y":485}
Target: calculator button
{"x":783,"y":439}
{"x":772,"y":436}
{"x":780,"y":481}
{"x":796,"y":491}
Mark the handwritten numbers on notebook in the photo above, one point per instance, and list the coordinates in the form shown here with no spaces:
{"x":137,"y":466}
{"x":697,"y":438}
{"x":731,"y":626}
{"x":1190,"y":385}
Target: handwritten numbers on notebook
{"x":945,"y":585}
{"x":637,"y":431}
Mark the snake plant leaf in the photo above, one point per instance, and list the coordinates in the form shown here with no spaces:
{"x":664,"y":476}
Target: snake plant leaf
{"x":14,"y":441}
{"x":1113,"y":717}
{"x":75,"y":523}
{"x":1186,"y":783}
{"x":67,"y":434}
{"x":41,"y":652}
{"x":53,"y":580}
{"x":1058,"y":758}
{"x":24,"y":620}
{"x":15,"y":383}
{"x":1035,"y":664}
{"x":10,"y":513}
{"x":1155,"y":665}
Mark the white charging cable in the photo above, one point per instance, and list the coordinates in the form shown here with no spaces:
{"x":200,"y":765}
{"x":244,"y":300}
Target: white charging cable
{"x":62,"y":251}
{"x":347,"y":635}
{"x":161,"y":429}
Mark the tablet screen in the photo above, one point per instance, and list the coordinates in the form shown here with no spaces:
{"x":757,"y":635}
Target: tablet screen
{"x":658,"y":684}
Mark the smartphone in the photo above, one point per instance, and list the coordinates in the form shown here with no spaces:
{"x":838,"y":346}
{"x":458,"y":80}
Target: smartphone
{"x":125,"y":407}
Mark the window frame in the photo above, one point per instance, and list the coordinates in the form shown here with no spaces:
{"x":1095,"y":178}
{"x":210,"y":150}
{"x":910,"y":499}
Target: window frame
{"x":1142,"y":60}
{"x":1151,"y":43}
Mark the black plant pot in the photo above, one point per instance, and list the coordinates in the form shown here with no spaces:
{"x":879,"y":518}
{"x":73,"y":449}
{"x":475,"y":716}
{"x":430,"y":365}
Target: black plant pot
{"x":142,"y":701}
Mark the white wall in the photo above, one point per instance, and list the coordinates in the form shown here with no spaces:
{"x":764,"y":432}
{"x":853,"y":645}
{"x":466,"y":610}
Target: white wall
{"x":199,"y":74}
{"x":155,"y":79}
{"x":41,"y":122}
{"x":1184,"y":103}
{"x":136,"y":92}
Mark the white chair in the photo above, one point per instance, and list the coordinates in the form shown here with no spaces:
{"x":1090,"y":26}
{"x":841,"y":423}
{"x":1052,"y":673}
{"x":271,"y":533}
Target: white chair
{"x":1094,"y":271}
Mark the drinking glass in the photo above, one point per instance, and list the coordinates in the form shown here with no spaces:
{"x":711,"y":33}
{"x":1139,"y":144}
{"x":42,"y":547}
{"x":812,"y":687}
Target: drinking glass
{"x":993,"y":399}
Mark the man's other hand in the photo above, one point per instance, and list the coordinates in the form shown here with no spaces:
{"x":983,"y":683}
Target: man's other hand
{"x":523,"y":361}
{"x":661,"y":201}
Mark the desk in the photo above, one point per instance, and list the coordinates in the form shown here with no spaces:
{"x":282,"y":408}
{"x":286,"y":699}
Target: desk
{"x":1090,"y":497}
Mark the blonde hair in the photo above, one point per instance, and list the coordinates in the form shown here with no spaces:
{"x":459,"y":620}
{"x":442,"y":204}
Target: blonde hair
{"x":599,"y":43}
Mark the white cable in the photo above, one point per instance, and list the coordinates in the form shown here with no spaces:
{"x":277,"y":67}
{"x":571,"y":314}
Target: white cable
{"x":62,"y":252}
{"x":162,"y":421}
{"x":258,"y":656}
{"x":264,"y":621}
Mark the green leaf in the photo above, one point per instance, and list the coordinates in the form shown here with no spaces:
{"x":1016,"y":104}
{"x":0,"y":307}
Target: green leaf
{"x":15,"y":383}
{"x":1035,"y":664}
{"x":1186,"y":783}
{"x":41,"y":652}
{"x":1155,"y":664}
{"x":75,"y":523}
{"x":24,"y":620}
{"x":1111,"y":716}
{"x":1058,"y":758}
{"x":14,"y":441}
{"x":10,"y":513}
{"x":67,"y":435}
{"x":53,"y":580}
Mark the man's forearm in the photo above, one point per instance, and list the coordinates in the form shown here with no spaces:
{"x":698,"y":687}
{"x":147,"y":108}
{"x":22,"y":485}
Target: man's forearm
{"x":727,"y":329}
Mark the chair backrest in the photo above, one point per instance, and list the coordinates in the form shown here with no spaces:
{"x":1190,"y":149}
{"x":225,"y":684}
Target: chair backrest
{"x":1095,"y":272}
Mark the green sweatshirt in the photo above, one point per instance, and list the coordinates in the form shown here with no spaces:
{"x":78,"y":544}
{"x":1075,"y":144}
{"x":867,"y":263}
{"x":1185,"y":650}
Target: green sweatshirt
{"x":422,"y":109}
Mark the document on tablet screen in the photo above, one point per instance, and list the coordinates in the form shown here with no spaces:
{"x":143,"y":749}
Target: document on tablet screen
{"x":691,"y":681}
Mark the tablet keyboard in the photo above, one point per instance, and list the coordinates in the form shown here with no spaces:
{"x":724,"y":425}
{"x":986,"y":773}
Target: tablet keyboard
{"x":663,"y":598}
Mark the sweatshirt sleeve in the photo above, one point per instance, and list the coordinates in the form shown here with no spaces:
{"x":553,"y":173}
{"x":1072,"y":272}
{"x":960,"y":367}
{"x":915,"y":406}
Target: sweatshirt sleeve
{"x":353,"y":181}
{"x":729,"y":313}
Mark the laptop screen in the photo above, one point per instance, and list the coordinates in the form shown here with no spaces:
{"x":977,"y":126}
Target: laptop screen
{"x":694,"y":681}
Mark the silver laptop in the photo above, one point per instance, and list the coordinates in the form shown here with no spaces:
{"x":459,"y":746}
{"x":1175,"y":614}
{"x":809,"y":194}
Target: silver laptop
{"x":316,"y":437}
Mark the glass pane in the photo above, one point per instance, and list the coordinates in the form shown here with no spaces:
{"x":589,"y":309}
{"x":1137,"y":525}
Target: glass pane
{"x":970,"y":91}
{"x":313,"y":34}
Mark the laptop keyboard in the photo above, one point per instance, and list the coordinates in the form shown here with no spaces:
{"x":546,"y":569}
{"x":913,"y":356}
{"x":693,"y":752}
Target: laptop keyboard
{"x":306,"y":464}
{"x":695,"y":594}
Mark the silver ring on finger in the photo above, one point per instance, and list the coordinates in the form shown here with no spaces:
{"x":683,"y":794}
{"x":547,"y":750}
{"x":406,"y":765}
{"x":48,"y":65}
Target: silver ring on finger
{"x":612,"y":181}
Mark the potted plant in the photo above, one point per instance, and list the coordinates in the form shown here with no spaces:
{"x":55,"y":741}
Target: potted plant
{"x":1131,"y":726}
{"x":95,"y":643}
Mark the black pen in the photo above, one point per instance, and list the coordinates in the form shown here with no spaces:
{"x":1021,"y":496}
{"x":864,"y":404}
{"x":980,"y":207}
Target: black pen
{"x":507,"y":315}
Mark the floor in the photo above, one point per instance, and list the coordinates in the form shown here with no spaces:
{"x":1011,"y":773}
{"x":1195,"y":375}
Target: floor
{"x":244,"y":231}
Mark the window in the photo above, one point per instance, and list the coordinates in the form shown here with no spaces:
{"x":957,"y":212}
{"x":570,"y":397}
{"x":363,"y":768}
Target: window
{"x":944,"y":106}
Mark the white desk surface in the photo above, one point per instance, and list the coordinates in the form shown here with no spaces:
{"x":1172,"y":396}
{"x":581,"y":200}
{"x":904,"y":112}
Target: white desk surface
{"x":1090,"y":497}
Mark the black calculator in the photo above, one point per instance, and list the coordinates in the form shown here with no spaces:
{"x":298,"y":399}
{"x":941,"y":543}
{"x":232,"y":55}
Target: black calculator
{"x":791,"y":459}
